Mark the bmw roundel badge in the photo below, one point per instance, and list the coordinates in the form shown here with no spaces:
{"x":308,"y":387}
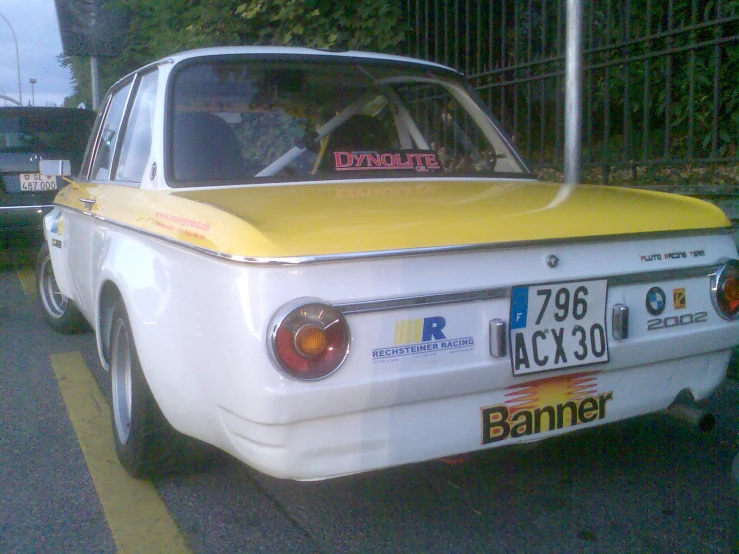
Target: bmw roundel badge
{"x":656,"y":301}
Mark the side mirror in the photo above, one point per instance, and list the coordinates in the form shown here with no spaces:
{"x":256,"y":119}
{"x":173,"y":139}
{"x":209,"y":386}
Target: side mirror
{"x":55,"y":167}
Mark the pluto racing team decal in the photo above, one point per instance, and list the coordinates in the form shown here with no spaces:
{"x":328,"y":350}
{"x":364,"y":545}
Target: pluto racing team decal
{"x":414,"y":160}
{"x":679,"y":255}
{"x":422,"y":337}
{"x":656,"y":303}
{"x":545,"y":405}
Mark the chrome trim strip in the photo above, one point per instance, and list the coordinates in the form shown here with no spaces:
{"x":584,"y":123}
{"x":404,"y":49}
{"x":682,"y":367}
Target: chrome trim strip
{"x":663,"y":275}
{"x":407,"y":252}
{"x":425,"y":300}
{"x":187,"y":245}
{"x":379,"y":305}
{"x":30,"y":207}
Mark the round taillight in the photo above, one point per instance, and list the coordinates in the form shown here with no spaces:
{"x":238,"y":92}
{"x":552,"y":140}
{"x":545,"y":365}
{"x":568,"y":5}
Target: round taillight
{"x":308,"y":339}
{"x":725,"y":290}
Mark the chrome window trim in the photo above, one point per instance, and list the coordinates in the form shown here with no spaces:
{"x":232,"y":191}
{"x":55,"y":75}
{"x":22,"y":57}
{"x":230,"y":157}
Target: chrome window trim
{"x":123,"y":128}
{"x":93,"y":143}
{"x":406,"y":252}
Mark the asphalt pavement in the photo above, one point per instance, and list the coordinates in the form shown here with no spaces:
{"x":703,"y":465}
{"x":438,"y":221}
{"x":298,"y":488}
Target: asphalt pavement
{"x":649,"y":484}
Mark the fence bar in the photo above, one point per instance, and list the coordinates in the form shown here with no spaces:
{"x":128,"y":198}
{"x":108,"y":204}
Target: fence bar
{"x":626,"y":119}
{"x":573,"y":92}
{"x":691,"y":80}
{"x":646,"y":67}
{"x":95,"y":82}
{"x":668,"y":80}
{"x":558,"y":119}
{"x":646,"y":97}
{"x":716,"y":76}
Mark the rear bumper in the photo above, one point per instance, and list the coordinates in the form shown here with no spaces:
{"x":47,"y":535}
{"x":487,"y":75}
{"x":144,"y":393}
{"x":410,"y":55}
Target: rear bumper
{"x":415,"y":432}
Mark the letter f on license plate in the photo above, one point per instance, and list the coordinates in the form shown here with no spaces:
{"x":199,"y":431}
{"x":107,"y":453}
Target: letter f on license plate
{"x":558,"y":325}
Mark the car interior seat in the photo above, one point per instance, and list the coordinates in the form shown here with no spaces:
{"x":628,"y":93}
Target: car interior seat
{"x":204,"y":148}
{"x":359,"y":133}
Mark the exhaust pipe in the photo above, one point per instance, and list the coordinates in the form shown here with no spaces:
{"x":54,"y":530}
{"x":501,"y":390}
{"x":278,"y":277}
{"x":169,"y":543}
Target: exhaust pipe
{"x":693,"y":416}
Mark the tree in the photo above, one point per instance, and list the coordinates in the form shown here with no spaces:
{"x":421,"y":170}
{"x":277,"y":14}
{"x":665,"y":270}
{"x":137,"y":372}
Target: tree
{"x":161,"y":27}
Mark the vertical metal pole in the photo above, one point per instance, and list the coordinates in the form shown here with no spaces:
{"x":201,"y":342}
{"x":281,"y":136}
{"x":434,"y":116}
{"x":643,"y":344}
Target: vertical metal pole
{"x":17,"y":59}
{"x":95,"y":81}
{"x":573,"y":92}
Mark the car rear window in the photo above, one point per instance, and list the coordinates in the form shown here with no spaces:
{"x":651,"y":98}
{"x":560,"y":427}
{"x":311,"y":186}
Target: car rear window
{"x":235,"y":120}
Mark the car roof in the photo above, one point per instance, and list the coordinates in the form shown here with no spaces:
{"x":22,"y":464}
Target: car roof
{"x":289,"y":51}
{"x":298,"y":51}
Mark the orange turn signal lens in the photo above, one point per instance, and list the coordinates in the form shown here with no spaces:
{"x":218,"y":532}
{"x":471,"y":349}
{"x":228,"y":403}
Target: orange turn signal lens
{"x":310,"y":340}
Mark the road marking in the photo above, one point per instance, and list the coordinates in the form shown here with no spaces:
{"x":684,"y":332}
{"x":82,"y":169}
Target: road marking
{"x":137,"y":517}
{"x":27,"y":277}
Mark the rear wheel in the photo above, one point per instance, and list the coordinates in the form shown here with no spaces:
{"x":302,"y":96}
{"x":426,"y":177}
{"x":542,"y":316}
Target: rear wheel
{"x":143,"y":437}
{"x":58,"y":311}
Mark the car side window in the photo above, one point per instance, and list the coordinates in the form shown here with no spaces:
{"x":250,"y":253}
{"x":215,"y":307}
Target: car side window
{"x":136,"y":146}
{"x":109,"y":135}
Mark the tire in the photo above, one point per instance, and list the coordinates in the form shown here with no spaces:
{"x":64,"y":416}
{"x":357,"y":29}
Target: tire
{"x":144,"y":440}
{"x":59,"y":311}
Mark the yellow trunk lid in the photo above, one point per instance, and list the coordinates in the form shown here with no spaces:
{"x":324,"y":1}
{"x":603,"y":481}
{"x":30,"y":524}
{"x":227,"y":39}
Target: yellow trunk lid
{"x":362,"y":216}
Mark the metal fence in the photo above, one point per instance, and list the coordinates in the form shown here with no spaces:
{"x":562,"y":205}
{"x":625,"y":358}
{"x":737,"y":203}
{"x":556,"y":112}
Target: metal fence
{"x":660,"y":78}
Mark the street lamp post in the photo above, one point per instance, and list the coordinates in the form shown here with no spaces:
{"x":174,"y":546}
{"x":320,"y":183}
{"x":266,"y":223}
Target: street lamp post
{"x":17,"y":59}
{"x":33,"y":91}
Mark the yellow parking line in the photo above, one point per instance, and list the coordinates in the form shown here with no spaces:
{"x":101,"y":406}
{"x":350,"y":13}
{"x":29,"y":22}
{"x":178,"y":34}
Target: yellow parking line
{"x":136,"y":515}
{"x":27,"y":277}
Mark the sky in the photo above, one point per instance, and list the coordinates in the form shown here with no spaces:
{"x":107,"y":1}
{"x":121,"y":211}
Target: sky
{"x":37,"y":30}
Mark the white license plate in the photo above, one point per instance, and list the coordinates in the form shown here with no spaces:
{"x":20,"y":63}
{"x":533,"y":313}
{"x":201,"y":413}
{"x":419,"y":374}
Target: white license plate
{"x":35,"y":182}
{"x":558,"y":325}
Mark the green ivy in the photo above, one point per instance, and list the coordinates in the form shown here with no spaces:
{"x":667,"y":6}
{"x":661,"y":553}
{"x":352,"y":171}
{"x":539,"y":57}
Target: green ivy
{"x":162,"y":27}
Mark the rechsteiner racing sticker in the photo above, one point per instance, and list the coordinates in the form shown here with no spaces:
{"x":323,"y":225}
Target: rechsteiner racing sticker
{"x":424,"y":337}
{"x":545,"y":405}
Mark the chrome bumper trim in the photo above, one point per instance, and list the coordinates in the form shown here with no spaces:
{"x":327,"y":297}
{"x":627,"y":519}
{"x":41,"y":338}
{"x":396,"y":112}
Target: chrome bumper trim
{"x":378,"y":305}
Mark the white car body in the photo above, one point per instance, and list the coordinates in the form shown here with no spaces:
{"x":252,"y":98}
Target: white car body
{"x":427,"y":375}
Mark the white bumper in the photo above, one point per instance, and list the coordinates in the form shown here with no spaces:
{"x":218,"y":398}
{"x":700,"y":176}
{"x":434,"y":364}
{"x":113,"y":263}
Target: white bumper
{"x":414,"y":432}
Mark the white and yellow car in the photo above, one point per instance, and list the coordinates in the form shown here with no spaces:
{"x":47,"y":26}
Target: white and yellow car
{"x":328,"y":263}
